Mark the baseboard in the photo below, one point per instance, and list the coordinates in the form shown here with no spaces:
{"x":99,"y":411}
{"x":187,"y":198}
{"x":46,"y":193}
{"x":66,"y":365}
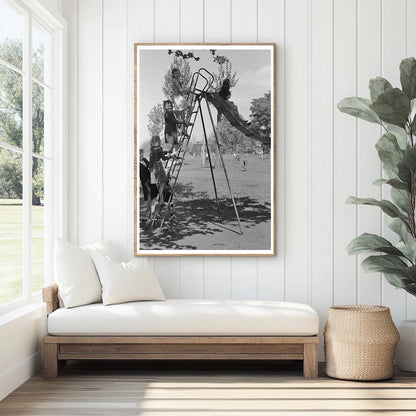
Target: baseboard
{"x":10,"y":380}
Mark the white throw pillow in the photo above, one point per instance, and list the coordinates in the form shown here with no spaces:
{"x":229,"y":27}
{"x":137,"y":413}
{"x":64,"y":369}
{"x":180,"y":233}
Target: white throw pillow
{"x":104,"y":247}
{"x":75,"y":273}
{"x":126,"y":282}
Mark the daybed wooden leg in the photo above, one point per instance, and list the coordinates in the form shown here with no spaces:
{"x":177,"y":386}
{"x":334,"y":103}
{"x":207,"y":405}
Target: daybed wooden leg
{"x":310,"y":360}
{"x":50,"y":360}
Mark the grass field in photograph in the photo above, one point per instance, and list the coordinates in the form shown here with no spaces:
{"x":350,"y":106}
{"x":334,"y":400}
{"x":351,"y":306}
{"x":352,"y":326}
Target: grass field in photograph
{"x":196,"y":223}
{"x":11,"y":249}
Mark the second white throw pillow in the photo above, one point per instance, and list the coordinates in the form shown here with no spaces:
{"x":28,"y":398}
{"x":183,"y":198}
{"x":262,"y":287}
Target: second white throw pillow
{"x":126,"y":282}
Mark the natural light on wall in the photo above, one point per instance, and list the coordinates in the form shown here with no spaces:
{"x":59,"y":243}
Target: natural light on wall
{"x":26,"y":155}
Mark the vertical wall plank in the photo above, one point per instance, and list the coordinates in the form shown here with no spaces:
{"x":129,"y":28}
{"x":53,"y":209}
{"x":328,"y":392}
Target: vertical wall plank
{"x":217,"y":28}
{"x":167,"y":29}
{"x":271,"y":29}
{"x":345,"y":151}
{"x":411,"y":51}
{"x":90,"y":128}
{"x":140,"y":30}
{"x":192,"y":278}
{"x":192,"y":21}
{"x":244,"y":21}
{"x":296,"y":152}
{"x":167,"y":26}
{"x":393,"y":51}
{"x":321,"y":167}
{"x":192,"y":30}
{"x":70,"y":12}
{"x":217,"y":21}
{"x":217,"y":278}
{"x":114,"y":124}
{"x":168,"y":272}
{"x":244,"y":278}
{"x":244,"y":29}
{"x":369,"y":169}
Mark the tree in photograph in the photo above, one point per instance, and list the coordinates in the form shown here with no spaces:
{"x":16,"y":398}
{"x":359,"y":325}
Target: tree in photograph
{"x":11,"y":111}
{"x":10,"y":175}
{"x":178,"y":53}
{"x":156,"y":120}
{"x":185,"y":79}
{"x":225,"y":70}
{"x":231,"y":139}
{"x":260,"y":116}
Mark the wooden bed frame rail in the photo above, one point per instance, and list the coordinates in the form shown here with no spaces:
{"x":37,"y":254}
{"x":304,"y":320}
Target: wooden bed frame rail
{"x":58,"y":349}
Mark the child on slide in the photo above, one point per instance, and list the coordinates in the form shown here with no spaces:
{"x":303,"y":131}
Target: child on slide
{"x":225,"y":94}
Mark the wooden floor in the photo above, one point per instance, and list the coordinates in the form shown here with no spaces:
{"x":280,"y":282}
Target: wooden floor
{"x":191,"y":389}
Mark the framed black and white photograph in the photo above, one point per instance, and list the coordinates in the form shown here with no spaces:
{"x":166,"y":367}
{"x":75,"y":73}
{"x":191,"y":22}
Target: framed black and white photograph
{"x":204,"y":149}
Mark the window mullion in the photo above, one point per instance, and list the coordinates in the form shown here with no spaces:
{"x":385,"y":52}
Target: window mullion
{"x":27,"y":157}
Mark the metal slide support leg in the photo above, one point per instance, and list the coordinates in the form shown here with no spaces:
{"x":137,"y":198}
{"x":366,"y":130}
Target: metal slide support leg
{"x":210,"y":163}
{"x":223,"y":166}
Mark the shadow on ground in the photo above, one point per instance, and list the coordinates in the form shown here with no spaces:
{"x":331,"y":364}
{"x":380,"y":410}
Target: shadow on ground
{"x":196,"y":214}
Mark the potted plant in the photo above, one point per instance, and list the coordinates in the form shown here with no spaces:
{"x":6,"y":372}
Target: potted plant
{"x":394,"y":109}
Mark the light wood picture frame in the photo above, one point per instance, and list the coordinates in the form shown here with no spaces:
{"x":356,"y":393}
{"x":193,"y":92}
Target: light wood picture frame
{"x":204,"y":150}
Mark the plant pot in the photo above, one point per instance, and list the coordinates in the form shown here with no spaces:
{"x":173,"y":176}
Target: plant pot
{"x":360,"y":341}
{"x":406,"y":350}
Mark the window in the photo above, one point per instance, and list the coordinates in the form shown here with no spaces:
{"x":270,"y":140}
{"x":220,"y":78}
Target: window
{"x":31,"y":137}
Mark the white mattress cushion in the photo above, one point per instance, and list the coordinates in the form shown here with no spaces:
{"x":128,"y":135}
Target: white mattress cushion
{"x":187,"y":317}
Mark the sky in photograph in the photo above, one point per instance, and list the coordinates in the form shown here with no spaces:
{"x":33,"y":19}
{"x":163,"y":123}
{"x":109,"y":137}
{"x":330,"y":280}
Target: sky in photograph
{"x":253,"y":69}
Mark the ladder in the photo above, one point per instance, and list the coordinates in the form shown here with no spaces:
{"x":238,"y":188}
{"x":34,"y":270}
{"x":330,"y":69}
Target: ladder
{"x":200,"y":84}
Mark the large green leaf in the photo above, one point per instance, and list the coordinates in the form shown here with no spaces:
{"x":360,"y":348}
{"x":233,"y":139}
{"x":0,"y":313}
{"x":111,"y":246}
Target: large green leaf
{"x":401,"y":139}
{"x":400,"y":228}
{"x":410,"y":158}
{"x":381,"y":263}
{"x":411,"y":273}
{"x":392,"y":107}
{"x":378,"y":86}
{"x":401,"y":199}
{"x":397,"y":280}
{"x":380,"y":182}
{"x":359,"y":107}
{"x":366,"y":243}
{"x":394,"y":269}
{"x":404,"y":173}
{"x":408,"y":77}
{"x":398,"y":184}
{"x":395,"y":183}
{"x":411,"y":289}
{"x":408,"y":249}
{"x":389,"y":151}
{"x":388,"y":207}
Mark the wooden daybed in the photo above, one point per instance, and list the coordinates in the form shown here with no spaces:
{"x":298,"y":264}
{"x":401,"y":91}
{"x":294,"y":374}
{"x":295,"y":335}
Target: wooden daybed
{"x":59,"y":348}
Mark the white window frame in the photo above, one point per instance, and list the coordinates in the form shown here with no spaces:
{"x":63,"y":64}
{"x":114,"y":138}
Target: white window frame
{"x":58,"y":211}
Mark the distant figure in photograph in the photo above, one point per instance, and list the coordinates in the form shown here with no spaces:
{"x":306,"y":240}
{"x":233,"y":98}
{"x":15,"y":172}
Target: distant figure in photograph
{"x":245,"y":160}
{"x":157,"y":171}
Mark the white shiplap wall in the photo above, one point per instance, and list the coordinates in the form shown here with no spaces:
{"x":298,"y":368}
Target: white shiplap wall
{"x":326,"y":50}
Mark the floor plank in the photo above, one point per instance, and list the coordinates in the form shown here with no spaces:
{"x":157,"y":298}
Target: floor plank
{"x":226,"y":389}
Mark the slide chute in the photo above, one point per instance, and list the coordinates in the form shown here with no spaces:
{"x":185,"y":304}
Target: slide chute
{"x":230,"y":111}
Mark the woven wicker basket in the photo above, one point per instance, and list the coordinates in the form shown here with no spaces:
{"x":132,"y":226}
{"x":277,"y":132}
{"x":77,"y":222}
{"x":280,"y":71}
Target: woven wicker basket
{"x":360,"y":341}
